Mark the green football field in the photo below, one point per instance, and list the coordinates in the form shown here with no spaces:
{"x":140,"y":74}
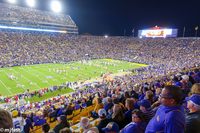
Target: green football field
{"x":18,"y":79}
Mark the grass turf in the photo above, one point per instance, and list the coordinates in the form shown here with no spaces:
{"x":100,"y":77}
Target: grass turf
{"x":35,"y":77}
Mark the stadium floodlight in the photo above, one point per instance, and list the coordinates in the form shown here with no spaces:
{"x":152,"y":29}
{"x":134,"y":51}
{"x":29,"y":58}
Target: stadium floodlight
{"x":56,"y":6}
{"x":30,"y":3}
{"x":12,"y":1}
{"x":106,"y":36}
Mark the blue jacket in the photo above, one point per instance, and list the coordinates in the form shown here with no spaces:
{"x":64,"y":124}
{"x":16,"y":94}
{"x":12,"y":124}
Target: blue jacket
{"x":167,"y":120}
{"x":134,"y":128}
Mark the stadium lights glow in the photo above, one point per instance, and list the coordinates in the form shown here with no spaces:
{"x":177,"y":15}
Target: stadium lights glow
{"x":12,"y":1}
{"x":31,"y":29}
{"x":56,"y":6}
{"x":30,"y":3}
{"x":106,"y":36}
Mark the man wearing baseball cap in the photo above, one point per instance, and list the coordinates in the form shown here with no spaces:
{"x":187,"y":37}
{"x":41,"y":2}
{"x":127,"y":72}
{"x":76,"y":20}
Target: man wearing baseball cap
{"x":145,"y":107}
{"x":193,"y":117}
{"x":103,"y":121}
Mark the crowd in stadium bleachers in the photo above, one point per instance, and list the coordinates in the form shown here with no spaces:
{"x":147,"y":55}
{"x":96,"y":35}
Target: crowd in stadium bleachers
{"x":116,"y":106}
{"x":156,"y":99}
{"x":12,"y":13}
{"x":163,"y":97}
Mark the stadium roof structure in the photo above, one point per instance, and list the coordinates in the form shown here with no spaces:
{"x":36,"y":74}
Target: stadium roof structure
{"x":16,"y":16}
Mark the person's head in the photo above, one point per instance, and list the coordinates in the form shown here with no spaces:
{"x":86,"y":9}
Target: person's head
{"x":5,"y":119}
{"x":85,"y":122}
{"x":158,"y":91}
{"x":137,"y":116}
{"x":45,"y":128}
{"x":111,"y":127}
{"x":171,"y":95}
{"x":129,"y":103}
{"x":102,"y":113}
{"x":145,"y":105}
{"x":185,"y":78}
{"x":193,"y":103}
{"x":149,"y":95}
{"x":63,"y":120}
{"x":117,"y":108}
{"x":195,"y":89}
{"x":109,"y":100}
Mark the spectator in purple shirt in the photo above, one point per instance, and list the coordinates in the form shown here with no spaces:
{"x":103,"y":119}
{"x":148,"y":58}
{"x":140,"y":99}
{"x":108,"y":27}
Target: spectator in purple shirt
{"x":169,"y":117}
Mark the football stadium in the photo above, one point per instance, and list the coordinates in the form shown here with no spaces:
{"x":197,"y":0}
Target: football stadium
{"x":55,"y":80}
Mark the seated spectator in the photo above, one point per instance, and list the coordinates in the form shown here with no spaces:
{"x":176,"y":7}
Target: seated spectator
{"x":169,"y":117}
{"x":39,"y":119}
{"x":193,"y":117}
{"x":145,"y":107}
{"x":62,"y":123}
{"x":5,"y":120}
{"x":103,"y":120}
{"x":137,"y":125}
{"x":111,"y":127}
{"x":85,"y":124}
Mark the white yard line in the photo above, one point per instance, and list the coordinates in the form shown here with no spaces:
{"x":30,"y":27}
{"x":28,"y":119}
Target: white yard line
{"x":38,"y":76}
{"x":6,"y":87}
{"x":26,"y":79}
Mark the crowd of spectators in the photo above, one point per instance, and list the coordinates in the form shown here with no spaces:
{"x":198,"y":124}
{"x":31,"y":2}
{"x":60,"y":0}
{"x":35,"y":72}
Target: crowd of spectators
{"x":168,"y":105}
{"x":156,"y":99}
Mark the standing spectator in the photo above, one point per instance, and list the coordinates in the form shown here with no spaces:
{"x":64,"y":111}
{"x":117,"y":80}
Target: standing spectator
{"x":145,"y":107}
{"x":169,"y":117}
{"x":193,"y":117}
{"x":118,"y":116}
{"x":28,"y":124}
{"x":129,"y":106}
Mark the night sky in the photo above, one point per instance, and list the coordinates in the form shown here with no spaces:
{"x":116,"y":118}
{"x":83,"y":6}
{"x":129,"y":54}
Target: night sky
{"x":119,"y":17}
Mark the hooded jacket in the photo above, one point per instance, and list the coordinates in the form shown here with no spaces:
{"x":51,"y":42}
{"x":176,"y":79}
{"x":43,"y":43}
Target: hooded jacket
{"x":167,"y":120}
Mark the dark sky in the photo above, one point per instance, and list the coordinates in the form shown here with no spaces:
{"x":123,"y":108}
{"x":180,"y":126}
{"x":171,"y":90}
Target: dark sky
{"x":113,"y":17}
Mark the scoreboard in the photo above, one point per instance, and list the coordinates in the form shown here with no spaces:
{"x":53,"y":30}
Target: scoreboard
{"x":158,"y":32}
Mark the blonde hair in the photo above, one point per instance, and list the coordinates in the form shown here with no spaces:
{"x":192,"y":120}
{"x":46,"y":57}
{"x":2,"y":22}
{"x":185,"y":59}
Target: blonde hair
{"x":195,"y":89}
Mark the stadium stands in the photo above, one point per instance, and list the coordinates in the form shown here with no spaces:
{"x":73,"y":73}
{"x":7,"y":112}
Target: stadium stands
{"x":161,"y":88}
{"x":15,"y":16}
